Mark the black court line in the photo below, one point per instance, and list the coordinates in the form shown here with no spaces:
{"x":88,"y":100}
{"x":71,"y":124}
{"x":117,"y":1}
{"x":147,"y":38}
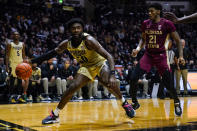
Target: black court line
{"x":8,"y":126}
{"x":189,"y":127}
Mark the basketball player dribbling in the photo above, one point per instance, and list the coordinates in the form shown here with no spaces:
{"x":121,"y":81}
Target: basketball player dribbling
{"x":94,"y":61}
{"x":155,"y":37}
{"x":15,"y":54}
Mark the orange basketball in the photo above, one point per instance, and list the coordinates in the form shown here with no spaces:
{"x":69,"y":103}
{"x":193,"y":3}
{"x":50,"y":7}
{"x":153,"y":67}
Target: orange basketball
{"x":23,"y":71}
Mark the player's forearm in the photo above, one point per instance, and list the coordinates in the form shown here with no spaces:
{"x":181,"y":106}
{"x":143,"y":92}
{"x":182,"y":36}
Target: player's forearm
{"x":180,"y":49}
{"x":111,"y":62}
{"x":7,"y":61}
{"x":140,"y":45}
{"x":188,"y":19}
{"x":46,"y":56}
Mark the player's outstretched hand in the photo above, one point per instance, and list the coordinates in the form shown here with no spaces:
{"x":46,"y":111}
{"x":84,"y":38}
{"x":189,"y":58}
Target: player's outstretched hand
{"x":134,"y":53}
{"x":181,"y":61}
{"x":171,"y":16}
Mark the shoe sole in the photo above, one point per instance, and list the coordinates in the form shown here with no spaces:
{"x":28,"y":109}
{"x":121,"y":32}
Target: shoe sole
{"x":51,"y":122}
{"x":132,"y":116}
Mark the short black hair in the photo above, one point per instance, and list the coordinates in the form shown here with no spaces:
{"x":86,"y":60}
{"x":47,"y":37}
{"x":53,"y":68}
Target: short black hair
{"x":157,"y":6}
{"x":74,"y":20}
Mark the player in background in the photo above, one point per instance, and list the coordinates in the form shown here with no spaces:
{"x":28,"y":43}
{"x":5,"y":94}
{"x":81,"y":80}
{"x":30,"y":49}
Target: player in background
{"x":94,"y":61}
{"x":156,"y":32}
{"x":186,"y":19}
{"x":15,"y":54}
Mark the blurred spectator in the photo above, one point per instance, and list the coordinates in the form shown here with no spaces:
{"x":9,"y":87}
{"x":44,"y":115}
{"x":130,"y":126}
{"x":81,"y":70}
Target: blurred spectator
{"x":3,"y":74}
{"x":35,"y":89}
{"x":49,"y":77}
{"x":93,"y":89}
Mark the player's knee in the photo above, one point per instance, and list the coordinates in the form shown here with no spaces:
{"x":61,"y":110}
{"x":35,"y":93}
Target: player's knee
{"x":75,"y":85}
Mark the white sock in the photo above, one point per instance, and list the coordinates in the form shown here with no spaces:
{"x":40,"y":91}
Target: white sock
{"x":123,"y":99}
{"x":56,"y":112}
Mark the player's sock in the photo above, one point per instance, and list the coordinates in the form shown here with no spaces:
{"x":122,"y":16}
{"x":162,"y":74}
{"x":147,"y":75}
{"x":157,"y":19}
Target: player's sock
{"x":56,"y":111}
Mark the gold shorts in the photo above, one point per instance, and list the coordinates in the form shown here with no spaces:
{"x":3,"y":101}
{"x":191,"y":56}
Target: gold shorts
{"x":13,"y":68}
{"x":92,"y":71}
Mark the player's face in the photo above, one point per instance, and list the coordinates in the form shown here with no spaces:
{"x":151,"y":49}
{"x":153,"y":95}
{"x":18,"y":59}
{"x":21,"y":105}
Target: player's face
{"x":34,"y":65}
{"x":16,"y":36}
{"x":153,"y":13}
{"x":76,"y":29}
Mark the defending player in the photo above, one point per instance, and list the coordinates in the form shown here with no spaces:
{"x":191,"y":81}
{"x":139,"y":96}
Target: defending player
{"x":155,"y":37}
{"x":92,"y":57}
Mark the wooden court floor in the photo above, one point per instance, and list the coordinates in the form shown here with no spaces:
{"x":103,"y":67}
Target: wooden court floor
{"x":154,"y":114}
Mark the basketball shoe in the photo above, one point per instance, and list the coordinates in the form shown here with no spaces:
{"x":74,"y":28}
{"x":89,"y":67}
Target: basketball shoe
{"x":51,"y":119}
{"x":135,"y":105}
{"x":20,"y":99}
{"x":129,"y":109}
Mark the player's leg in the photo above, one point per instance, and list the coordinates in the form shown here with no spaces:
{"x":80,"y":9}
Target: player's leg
{"x":167,"y":81}
{"x":12,"y":88}
{"x":144,"y":65}
{"x":135,"y":75}
{"x":164,"y":71}
{"x":115,"y":90}
{"x":25,"y":84}
{"x":21,"y":98}
{"x":12,"y":93}
{"x":104,"y":79}
{"x":79,"y":81}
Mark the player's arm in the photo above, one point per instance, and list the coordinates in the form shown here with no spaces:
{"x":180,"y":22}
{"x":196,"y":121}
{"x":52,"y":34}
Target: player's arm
{"x":187,"y":19}
{"x":93,"y":44}
{"x":176,"y":37}
{"x":8,"y":48}
{"x":23,"y":52}
{"x":176,"y":62}
{"x":52,"y":53}
{"x":140,"y":45}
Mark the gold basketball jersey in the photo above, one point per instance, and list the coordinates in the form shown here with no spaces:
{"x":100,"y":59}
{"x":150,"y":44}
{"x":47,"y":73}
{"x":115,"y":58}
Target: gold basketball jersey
{"x":16,"y":53}
{"x":85,"y":56}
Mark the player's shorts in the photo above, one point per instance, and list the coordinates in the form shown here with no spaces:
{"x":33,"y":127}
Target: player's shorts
{"x":160,"y":61}
{"x":92,"y":71}
{"x":13,"y":68}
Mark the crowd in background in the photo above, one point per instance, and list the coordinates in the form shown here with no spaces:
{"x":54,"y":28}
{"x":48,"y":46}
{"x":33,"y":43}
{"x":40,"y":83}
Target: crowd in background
{"x":42,"y":28}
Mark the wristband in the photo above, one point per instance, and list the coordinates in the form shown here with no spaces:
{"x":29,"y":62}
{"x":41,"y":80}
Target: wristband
{"x":138,"y":48}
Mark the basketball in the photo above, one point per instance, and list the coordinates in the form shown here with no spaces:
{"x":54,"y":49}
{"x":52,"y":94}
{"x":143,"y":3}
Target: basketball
{"x":23,"y":71}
